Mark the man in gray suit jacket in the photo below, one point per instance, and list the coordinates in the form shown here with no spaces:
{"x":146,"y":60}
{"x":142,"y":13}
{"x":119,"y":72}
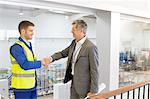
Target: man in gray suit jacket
{"x":83,"y":63}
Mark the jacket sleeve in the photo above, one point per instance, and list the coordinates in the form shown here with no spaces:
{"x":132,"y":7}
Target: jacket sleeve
{"x":94,"y":69}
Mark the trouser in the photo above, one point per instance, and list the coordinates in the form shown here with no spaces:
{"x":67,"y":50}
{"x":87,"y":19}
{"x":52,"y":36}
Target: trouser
{"x":25,"y":94}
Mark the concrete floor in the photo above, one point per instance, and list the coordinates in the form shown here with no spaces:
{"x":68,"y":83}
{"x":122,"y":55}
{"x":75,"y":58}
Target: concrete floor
{"x":134,"y":76}
{"x":46,"y":97}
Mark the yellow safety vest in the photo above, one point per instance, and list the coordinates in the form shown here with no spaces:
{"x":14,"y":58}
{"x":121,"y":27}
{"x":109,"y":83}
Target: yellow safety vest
{"x":22,"y":79}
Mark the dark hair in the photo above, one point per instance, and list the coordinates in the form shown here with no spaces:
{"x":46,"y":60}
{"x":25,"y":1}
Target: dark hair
{"x":80,"y":24}
{"x":24,"y":25}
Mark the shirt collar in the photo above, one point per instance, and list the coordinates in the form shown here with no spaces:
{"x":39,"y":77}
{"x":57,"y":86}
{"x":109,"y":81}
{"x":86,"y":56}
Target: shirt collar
{"x":82,"y":40}
{"x":28,"y":43}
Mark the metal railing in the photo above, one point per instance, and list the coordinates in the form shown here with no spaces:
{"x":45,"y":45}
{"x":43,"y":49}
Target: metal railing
{"x":134,"y":91}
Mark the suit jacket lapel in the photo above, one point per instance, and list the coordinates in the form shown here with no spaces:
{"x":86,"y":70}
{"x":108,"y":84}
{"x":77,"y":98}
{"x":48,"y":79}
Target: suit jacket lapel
{"x":82,"y":49}
{"x":71,"y":51}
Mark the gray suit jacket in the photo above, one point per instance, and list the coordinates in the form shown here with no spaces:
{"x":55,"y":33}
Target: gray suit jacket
{"x":86,"y":69}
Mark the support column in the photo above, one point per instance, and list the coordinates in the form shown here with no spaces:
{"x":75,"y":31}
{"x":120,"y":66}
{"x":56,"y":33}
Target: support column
{"x":108,"y":38}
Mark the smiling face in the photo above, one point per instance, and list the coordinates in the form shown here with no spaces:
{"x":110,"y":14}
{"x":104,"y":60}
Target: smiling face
{"x":77,"y":34}
{"x":78,"y":29}
{"x":27,"y":33}
{"x":26,"y":29}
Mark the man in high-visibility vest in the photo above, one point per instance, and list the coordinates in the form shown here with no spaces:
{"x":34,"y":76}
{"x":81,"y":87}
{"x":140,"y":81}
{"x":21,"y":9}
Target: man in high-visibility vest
{"x":24,"y":63}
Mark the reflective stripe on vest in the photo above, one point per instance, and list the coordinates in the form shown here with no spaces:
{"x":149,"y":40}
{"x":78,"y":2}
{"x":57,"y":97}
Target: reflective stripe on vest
{"x":23,"y":75}
{"x":22,"y":79}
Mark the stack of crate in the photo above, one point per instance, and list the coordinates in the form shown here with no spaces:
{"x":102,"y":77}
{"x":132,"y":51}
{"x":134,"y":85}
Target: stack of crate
{"x":47,"y":77}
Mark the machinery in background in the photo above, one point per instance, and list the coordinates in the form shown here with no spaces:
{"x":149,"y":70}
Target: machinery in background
{"x":46,"y":78}
{"x":132,"y":63}
{"x":139,"y":60}
{"x":4,"y":82}
{"x":5,"y":73}
{"x":127,"y":61}
{"x":4,"y":89}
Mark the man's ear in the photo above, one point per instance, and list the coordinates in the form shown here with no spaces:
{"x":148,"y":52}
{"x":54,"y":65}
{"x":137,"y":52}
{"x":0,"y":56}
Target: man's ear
{"x":22,"y":31}
{"x":83,"y":31}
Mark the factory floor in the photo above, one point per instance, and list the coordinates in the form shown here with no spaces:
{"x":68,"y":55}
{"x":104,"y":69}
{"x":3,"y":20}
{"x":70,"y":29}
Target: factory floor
{"x":46,"y":97}
{"x":134,"y":76}
{"x":126,"y":77}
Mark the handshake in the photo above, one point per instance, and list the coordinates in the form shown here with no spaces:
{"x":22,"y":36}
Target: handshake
{"x":46,"y":61}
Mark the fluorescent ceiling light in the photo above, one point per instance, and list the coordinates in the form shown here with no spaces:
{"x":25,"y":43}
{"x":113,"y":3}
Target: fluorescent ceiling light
{"x":21,"y":13}
{"x":57,"y":11}
{"x":66,"y":17}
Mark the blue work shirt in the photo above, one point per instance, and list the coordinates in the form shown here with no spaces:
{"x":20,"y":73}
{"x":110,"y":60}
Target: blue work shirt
{"x":18,"y":53}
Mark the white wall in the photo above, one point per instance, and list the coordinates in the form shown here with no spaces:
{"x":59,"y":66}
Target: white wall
{"x":57,"y":26}
{"x":52,"y":26}
{"x":52,"y":34}
{"x":131,"y":35}
{"x":146,"y":39}
{"x":4,"y":54}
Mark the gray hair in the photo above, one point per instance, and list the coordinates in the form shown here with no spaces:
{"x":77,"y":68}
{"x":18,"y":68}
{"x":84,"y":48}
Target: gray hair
{"x":80,"y":24}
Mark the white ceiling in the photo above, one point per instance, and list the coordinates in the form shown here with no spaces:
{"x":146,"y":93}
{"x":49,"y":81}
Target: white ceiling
{"x":28,"y":11}
{"x":34,"y":7}
{"x":2,"y":6}
{"x":42,"y":4}
{"x":73,"y":7}
{"x":132,"y":7}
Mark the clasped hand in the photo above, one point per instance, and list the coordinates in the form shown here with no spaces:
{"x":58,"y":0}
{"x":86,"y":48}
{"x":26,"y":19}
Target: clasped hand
{"x":46,"y":61}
